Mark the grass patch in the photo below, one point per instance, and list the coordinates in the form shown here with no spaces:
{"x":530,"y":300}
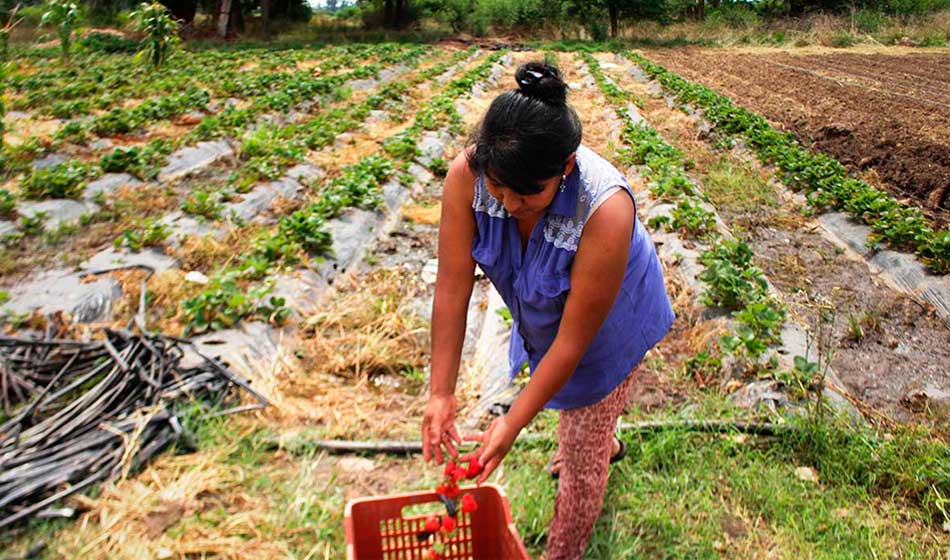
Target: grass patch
{"x":830,"y":491}
{"x":737,"y":186}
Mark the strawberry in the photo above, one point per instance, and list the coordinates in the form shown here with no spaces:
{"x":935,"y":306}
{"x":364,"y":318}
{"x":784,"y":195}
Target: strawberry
{"x":474,"y":468}
{"x":468,"y":503}
{"x":452,"y":490}
{"x":449,"y":468}
{"x":448,"y":524}
{"x":458,"y":473}
{"x":432,"y":524}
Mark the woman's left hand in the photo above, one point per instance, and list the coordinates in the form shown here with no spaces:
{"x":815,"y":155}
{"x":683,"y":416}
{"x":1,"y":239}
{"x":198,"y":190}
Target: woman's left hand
{"x":496,"y":441}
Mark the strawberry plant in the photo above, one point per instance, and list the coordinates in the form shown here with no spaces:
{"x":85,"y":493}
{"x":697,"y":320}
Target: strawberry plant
{"x":733,"y":281}
{"x":225,"y":302}
{"x":150,"y":233}
{"x":141,"y":161}
{"x":65,"y":180}
{"x":203,"y":203}
{"x":691,"y":219}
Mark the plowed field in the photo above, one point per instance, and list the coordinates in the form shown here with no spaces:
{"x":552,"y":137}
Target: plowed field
{"x":886,"y":113}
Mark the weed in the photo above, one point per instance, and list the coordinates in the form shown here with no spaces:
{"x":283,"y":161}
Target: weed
{"x":855,"y":330}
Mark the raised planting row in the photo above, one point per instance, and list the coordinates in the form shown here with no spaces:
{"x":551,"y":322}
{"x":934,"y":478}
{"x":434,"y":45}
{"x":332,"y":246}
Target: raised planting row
{"x":732,"y":282}
{"x":264,"y":149}
{"x":825,"y":181}
{"x":259,"y":92}
{"x":181,"y":234}
{"x":229,"y":298}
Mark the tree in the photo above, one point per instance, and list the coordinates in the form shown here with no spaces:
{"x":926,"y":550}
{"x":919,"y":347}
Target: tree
{"x":62,"y":16}
{"x":160,"y":30}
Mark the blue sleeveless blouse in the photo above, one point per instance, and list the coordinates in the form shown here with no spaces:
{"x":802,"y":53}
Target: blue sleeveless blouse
{"x":535,"y":284}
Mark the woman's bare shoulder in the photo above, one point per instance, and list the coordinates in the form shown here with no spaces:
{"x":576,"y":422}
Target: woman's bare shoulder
{"x":460,"y":180}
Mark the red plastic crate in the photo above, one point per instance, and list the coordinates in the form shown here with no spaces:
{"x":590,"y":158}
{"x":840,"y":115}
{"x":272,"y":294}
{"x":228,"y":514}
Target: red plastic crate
{"x":376,"y":528}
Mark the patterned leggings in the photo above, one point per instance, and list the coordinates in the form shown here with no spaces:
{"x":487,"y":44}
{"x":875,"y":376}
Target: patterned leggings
{"x":584,"y":446}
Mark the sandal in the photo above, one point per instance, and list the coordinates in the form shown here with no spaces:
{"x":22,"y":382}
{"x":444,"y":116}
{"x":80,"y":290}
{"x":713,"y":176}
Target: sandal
{"x":620,"y":454}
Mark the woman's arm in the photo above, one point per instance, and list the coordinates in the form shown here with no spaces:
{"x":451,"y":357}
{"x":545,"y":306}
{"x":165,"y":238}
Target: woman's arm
{"x":596,"y":277}
{"x":453,"y":289}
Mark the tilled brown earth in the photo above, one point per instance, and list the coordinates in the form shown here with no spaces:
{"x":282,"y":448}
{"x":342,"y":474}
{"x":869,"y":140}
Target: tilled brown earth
{"x":874,"y":112}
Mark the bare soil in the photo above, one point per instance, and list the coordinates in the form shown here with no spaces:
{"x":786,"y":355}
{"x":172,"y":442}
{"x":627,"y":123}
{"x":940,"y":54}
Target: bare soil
{"x":886,"y":117}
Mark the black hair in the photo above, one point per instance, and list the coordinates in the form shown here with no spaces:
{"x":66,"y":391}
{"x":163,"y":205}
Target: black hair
{"x":528,"y":133}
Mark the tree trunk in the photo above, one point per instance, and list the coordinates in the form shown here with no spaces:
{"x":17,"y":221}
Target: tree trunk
{"x":237,"y":18}
{"x":401,"y":16}
{"x":265,"y":18}
{"x":701,"y":10}
{"x":224,"y":16}
{"x":389,"y":12}
{"x":614,"y":19}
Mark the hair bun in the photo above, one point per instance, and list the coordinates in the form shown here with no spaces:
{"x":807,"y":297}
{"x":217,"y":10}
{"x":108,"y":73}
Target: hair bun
{"x":541,"y":81}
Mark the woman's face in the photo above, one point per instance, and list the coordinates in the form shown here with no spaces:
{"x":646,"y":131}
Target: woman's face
{"x":523,"y":206}
{"x":526,"y":206}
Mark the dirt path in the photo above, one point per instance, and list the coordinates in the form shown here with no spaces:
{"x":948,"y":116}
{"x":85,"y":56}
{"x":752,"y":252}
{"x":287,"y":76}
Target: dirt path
{"x":880,"y":113}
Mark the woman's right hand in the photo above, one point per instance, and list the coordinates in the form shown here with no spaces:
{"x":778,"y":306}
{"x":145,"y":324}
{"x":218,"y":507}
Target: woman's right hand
{"x":438,"y":428}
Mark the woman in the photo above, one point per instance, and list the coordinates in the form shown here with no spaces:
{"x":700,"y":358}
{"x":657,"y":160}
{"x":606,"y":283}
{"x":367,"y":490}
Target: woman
{"x":553,"y":226}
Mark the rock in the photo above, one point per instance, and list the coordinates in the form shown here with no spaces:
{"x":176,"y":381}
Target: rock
{"x":196,"y":277}
{"x":303,"y":291}
{"x":52,"y":160}
{"x":356,"y":465}
{"x":57,"y":291}
{"x":6,"y":228}
{"x":806,"y":474}
{"x":16,"y":115}
{"x":261,"y":198}
{"x":192,"y":159}
{"x":655,"y":88}
{"x":112,"y":259}
{"x":58,"y":210}
{"x":108,"y":184}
